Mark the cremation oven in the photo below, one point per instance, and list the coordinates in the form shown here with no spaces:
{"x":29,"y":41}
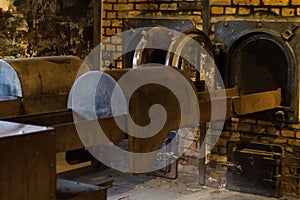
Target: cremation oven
{"x":261,"y":56}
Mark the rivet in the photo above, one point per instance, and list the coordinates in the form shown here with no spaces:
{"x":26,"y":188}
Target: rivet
{"x":259,"y":25}
{"x":226,"y":24}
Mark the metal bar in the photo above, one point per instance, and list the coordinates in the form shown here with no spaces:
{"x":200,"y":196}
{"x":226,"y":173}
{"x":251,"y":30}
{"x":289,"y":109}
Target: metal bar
{"x":67,"y":137}
{"x":256,"y":102}
{"x":43,"y":119}
{"x":202,"y":166}
{"x":97,"y":4}
{"x":66,"y":134}
{"x":97,"y":32}
{"x":206,"y":17}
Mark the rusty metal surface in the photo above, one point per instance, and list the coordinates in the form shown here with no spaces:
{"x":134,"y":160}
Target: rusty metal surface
{"x":251,"y":103}
{"x":255,"y":168}
{"x":67,"y":137}
{"x":45,"y":82}
{"x":151,"y":94}
{"x":10,"y":107}
{"x":27,"y":162}
{"x":178,"y":24}
{"x":44,"y":119}
{"x":262,"y":56}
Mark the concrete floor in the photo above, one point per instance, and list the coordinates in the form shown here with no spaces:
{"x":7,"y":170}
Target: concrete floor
{"x":128,"y":187}
{"x":148,"y":187}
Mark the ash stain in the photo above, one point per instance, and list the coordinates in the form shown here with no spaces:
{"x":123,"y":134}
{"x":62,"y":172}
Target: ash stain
{"x":46,"y":28}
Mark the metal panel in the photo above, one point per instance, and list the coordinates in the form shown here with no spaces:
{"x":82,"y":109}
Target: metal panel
{"x":255,"y":168}
{"x":262,"y":56}
{"x":251,"y":103}
{"x":27,"y":162}
{"x":10,"y":107}
{"x":179,"y":24}
{"x":66,"y":133}
{"x":45,"y":82}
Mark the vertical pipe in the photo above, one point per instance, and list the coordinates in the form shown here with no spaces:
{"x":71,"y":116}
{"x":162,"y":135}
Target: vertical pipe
{"x":97,"y":32}
{"x":206,"y":17}
{"x":97,"y":5}
{"x":202,"y":167}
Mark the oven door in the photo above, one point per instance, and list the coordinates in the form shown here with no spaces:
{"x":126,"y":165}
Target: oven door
{"x":262,"y":56}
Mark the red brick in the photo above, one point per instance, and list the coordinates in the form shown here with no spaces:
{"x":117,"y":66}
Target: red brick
{"x":140,"y":1}
{"x":117,"y":23}
{"x":298,"y":135}
{"x":294,"y":142}
{"x":217,"y":10}
{"x":298,"y":11}
{"x":265,"y":122}
{"x":288,"y":133}
{"x":143,"y":6}
{"x":111,"y":15}
{"x":230,"y":11}
{"x":245,"y":127}
{"x":295,"y":2}
{"x":275,"y":2}
{"x":222,"y":142}
{"x":266,"y":139}
{"x":247,"y":2}
{"x":123,"y":7}
{"x":190,"y":5}
{"x":220,"y":2}
{"x":110,"y":31}
{"x":235,"y":136}
{"x":168,"y":6}
{"x":223,"y":151}
{"x":106,"y":23}
{"x":280,"y":140}
{"x":288,"y":12}
{"x":289,"y":149}
{"x":259,"y":129}
{"x":276,"y":11}
{"x":244,"y":11}
{"x":273,"y":131}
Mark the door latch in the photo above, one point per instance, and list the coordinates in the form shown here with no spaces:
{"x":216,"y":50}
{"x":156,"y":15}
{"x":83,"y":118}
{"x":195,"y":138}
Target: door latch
{"x":231,"y":166}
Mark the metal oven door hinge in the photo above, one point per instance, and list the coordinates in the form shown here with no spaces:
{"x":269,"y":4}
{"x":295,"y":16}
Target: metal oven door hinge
{"x":290,"y":33}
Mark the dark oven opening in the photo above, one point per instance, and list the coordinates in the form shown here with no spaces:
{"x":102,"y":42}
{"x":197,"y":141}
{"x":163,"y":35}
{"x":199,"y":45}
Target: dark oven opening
{"x":259,"y":62}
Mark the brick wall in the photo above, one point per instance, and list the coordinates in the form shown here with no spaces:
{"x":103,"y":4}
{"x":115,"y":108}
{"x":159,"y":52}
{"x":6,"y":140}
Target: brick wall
{"x":287,"y":136}
{"x":285,"y":8}
{"x":115,"y":11}
{"x":232,"y":9}
{"x":252,"y":130}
